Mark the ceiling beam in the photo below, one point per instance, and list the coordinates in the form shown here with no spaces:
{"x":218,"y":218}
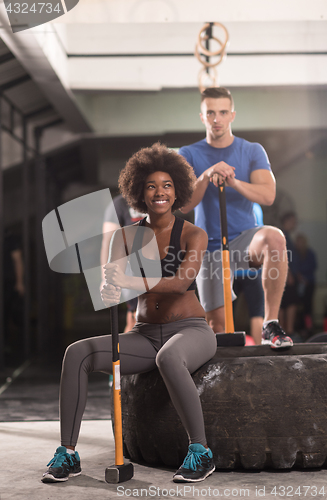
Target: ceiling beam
{"x":188,"y":11}
{"x":6,"y":58}
{"x":13,"y":83}
{"x":29,"y":53}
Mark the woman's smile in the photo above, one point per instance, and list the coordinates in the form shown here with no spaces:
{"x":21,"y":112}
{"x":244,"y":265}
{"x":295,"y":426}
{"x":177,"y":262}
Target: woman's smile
{"x":160,"y":202}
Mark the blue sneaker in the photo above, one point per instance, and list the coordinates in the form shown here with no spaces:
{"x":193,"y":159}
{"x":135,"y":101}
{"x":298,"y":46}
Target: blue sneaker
{"x":198,"y":464}
{"x":62,"y":466}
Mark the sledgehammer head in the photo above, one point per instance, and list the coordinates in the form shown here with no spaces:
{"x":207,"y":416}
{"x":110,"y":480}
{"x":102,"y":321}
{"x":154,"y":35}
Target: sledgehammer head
{"x":230,"y":339}
{"x":119,"y":473}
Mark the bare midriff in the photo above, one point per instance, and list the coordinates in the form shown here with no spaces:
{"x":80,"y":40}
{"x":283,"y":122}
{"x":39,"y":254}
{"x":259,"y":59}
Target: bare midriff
{"x":167,"y":308}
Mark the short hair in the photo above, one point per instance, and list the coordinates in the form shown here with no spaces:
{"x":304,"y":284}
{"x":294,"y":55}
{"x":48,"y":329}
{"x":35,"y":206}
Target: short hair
{"x":146,"y":161}
{"x":217,"y":93}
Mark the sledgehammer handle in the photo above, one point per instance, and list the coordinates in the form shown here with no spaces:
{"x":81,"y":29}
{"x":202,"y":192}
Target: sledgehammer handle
{"x":229,"y":320}
{"x":119,"y":457}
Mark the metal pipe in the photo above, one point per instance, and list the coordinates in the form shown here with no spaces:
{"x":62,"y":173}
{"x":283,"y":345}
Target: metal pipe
{"x":26,"y":244}
{"x":207,"y":43}
{"x":2,"y":334}
{"x":41,"y":291}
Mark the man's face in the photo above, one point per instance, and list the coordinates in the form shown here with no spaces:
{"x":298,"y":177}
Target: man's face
{"x":217,"y":116}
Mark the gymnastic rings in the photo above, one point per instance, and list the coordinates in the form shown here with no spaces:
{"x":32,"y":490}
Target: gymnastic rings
{"x":204,"y":37}
{"x":202,"y":52}
{"x":213,"y":54}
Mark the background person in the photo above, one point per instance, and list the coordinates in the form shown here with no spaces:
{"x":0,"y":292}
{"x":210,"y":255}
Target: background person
{"x":246,"y":170}
{"x":307,"y":266}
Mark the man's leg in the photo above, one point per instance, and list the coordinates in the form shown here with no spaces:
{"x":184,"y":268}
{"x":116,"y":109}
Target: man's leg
{"x":216,"y":319}
{"x":256,"y":323}
{"x":130,"y":321}
{"x":268,"y":248}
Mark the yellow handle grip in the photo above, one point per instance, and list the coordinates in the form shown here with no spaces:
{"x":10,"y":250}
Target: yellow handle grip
{"x":229,"y":320}
{"x":119,"y":457}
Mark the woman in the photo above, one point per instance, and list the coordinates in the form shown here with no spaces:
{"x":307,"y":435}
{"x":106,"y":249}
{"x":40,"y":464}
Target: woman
{"x":170,"y":333}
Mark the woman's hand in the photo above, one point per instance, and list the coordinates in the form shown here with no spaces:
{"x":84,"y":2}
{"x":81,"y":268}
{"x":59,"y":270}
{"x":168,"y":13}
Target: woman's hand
{"x":114,"y":275}
{"x":110,"y":295}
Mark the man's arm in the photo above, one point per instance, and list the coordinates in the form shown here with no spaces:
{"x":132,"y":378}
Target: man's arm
{"x":221,"y":169}
{"x":261,"y":188}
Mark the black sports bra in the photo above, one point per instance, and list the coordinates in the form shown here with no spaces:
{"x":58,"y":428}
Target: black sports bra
{"x":170,"y":263}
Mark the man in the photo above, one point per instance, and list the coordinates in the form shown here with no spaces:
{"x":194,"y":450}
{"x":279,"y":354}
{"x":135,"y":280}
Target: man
{"x":246,"y":170}
{"x":126,"y":215}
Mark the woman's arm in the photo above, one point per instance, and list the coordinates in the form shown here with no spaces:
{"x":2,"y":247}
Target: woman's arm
{"x":114,"y":246}
{"x":196,"y":240}
{"x":108,"y":229}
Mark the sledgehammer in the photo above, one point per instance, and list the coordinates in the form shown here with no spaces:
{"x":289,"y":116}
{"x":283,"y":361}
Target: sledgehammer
{"x":119,"y":472}
{"x":230,"y":338}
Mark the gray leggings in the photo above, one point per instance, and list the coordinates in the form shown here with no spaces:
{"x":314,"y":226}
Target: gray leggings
{"x":177,"y":349}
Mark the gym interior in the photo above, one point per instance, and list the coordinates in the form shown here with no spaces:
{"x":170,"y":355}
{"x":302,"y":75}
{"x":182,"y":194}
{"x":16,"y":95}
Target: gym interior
{"x":81,"y":93}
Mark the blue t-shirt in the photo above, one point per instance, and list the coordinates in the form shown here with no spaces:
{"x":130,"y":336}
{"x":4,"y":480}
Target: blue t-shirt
{"x":245,"y":157}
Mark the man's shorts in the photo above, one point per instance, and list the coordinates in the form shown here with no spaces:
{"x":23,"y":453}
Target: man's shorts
{"x":209,"y":280}
{"x":251,"y":286}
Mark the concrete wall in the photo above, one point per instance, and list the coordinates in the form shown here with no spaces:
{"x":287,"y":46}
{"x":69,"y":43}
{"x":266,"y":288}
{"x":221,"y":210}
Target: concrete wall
{"x":128,"y":113}
{"x":305,"y":182}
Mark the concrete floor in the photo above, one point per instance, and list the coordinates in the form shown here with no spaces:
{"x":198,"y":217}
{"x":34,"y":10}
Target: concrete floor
{"x":26,"y":447}
{"x":29,"y":436}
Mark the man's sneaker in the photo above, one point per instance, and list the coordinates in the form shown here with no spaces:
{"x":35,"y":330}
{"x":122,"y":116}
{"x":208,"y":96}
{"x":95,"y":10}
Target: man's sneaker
{"x":62,"y":466}
{"x":275,"y":336}
{"x":198,"y":465}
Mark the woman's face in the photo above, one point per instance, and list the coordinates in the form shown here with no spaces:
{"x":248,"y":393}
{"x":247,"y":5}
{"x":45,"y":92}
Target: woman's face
{"x":159,"y":192}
